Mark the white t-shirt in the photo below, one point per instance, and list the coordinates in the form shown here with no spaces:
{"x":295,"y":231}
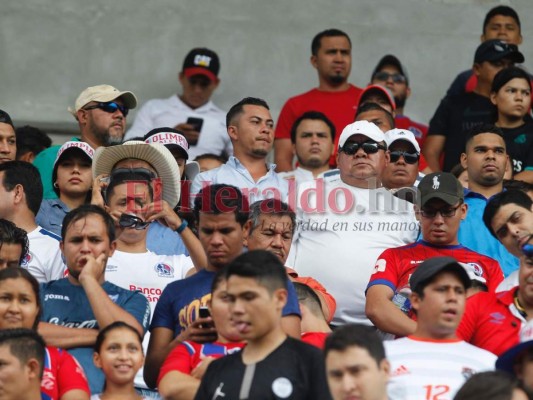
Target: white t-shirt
{"x":44,"y":260}
{"x":423,"y":369}
{"x":148,"y":273}
{"x":339,"y":248}
{"x":159,"y":113}
{"x":300,"y":175}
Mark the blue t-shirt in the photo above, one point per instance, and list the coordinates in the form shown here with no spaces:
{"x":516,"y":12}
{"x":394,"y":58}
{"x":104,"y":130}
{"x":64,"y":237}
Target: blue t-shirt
{"x":67,"y":305}
{"x":180,"y":301}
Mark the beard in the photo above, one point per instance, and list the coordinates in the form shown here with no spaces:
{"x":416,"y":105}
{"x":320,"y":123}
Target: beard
{"x":313,"y":163}
{"x":259,"y":153}
{"x":400,"y":101}
{"x":102,"y":135}
{"x":336,"y":79}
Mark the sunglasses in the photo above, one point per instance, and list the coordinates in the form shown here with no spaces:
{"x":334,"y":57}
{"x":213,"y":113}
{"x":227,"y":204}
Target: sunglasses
{"x":384,"y":76}
{"x":110,"y":107}
{"x":132,"y":221}
{"x":444,"y":212}
{"x":410,"y":158}
{"x":351,"y":148}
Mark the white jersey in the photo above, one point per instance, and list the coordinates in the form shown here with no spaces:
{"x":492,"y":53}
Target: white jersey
{"x":508,"y":283}
{"x":157,"y":113}
{"x":423,"y":369}
{"x":148,"y":273}
{"x":339,"y":238}
{"x":44,"y":260}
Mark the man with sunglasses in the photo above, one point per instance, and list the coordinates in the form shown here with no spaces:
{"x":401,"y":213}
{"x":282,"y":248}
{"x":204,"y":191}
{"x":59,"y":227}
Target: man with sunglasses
{"x":401,"y":169}
{"x":440,"y":208}
{"x":456,"y":115}
{"x":346,"y":219}
{"x":101,"y":113}
{"x":391,"y":73}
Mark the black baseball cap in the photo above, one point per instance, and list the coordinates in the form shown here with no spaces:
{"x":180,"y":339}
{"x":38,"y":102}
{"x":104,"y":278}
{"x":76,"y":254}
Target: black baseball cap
{"x":425,"y":272}
{"x":390,"y":59}
{"x":201,"y":61}
{"x":440,"y":185}
{"x":496,"y":49}
{"x":5,"y":118}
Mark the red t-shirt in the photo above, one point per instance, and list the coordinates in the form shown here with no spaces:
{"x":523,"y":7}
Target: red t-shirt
{"x":488,"y":322}
{"x":317,"y":339}
{"x":187,"y":355}
{"x":61,"y":374}
{"x":419,"y":130}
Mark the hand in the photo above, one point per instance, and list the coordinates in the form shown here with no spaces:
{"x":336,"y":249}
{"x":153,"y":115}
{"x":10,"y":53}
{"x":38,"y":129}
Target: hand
{"x":189,"y":132}
{"x":200,"y":369}
{"x":99,"y":183}
{"x":93,"y":268}
{"x":201,"y":330}
{"x":162,"y":212}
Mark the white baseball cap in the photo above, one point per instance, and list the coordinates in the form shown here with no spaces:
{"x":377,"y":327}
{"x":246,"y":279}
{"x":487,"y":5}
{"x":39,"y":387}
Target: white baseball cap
{"x":365,"y":128}
{"x":401,"y":134}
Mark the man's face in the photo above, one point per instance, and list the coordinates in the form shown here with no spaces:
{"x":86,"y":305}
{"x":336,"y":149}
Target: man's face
{"x":8,"y":143}
{"x":10,"y":254}
{"x":378,"y":118}
{"x":354,"y":374}
{"x":361,"y":166}
{"x":104,"y":128}
{"x":513,"y":99}
{"x":254,"y":310}
{"x":221,"y":237}
{"x":513,"y":225}
{"x":485,"y":159}
{"x":7,"y":199}
{"x":196,"y":90}
{"x":438,"y":229}
{"x":441,"y":309}
{"x":391,"y":77}
{"x":15,"y":377}
{"x":314,"y":145}
{"x":400,"y":173}
{"x":86,"y":236}
{"x":487,"y":70}
{"x":334,"y":59}
{"x":525,"y":280}
{"x":252,"y":132}
{"x":504,"y":28}
{"x":274,"y":233}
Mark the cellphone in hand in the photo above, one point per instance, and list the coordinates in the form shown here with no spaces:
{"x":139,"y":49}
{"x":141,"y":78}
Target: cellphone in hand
{"x":197,"y":123}
{"x":204,"y":312}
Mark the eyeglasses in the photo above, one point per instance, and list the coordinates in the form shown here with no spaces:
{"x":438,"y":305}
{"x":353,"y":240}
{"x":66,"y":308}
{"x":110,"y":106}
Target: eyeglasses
{"x":384,"y":76}
{"x":351,"y":148}
{"x":110,"y":107}
{"x":445,"y":212}
{"x":410,"y":158}
{"x":132,"y":221}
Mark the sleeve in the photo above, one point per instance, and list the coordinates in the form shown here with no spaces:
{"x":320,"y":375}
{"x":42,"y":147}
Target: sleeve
{"x":138,"y":306}
{"x":385,"y":271}
{"x":142,"y":124}
{"x":439,"y":124}
{"x":458,"y":85}
{"x":70,"y":375}
{"x":467,"y":328}
{"x":185,"y":263}
{"x":286,"y":119}
{"x":292,"y":307}
{"x":179,"y":359}
{"x":163,"y":313}
{"x":495,"y":276}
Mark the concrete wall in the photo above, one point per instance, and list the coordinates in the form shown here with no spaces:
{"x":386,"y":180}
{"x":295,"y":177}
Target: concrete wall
{"x":53,"y":49}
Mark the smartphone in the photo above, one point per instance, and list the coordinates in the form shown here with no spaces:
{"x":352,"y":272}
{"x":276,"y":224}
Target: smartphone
{"x":204,"y":312}
{"x":197,"y":123}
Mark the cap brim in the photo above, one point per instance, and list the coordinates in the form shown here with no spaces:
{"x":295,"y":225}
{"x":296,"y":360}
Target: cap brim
{"x":414,"y":143}
{"x":156,"y":155}
{"x":190,"y":72}
{"x":506,"y":360}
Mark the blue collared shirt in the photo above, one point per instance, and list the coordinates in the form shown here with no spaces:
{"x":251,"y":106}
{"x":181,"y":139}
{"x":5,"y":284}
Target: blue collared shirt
{"x":51,"y":214}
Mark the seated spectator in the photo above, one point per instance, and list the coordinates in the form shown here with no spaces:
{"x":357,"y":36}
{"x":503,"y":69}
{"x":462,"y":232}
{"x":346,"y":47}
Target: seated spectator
{"x":493,"y":385}
{"x":14,"y":245}
{"x":401,"y":168}
{"x":209,"y":161}
{"x":315,"y":328}
{"x":72,"y":177}
{"x":380,"y":95}
{"x":461,"y":174}
{"x":180,"y":374}
{"x":119,"y":354}
{"x":511,"y":94}
{"x":373,"y":112}
{"x":192,"y":112}
{"x":438,"y":297}
{"x":356,"y":366}
{"x":63,"y":377}
{"x":30,"y":142}
{"x":8,"y":138}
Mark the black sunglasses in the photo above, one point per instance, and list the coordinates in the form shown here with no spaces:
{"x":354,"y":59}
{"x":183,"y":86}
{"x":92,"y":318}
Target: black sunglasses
{"x":132,"y":221}
{"x":384,"y":76}
{"x":410,"y":158}
{"x":110,"y":107}
{"x":351,"y":148}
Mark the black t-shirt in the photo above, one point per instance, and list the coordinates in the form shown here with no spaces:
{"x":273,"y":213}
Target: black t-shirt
{"x":295,"y":370}
{"x":519,"y":142}
{"x":453,"y":119}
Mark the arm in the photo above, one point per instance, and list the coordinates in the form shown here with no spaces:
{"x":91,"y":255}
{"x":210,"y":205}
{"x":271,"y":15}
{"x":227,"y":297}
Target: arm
{"x":176,"y":385}
{"x":67,"y":338}
{"x":384,"y":314}
{"x":432,"y":150}
{"x":526,"y":176}
{"x":283,"y":155}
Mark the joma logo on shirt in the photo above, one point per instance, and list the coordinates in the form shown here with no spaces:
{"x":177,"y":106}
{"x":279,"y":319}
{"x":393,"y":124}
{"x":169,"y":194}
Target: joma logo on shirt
{"x":56,"y":297}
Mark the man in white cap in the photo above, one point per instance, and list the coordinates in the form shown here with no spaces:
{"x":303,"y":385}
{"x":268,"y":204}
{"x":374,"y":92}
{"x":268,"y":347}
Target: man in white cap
{"x":401,"y":169}
{"x":346,"y":219}
{"x":101,"y":113}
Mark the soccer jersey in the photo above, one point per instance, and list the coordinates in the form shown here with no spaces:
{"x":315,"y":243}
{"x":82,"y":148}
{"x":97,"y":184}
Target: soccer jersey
{"x":44,"y":260}
{"x":187,"y":355}
{"x":395,"y":266}
{"x":67,"y":305}
{"x":519,"y":144}
{"x":61,"y":373}
{"x":295,"y":370}
{"x":424,"y":369}
{"x":317,"y":339}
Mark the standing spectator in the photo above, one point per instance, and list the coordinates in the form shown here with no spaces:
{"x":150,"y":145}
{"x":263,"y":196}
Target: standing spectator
{"x":192,"y":112}
{"x":331,"y":56}
{"x":8,"y":138}
{"x":30,"y":142}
